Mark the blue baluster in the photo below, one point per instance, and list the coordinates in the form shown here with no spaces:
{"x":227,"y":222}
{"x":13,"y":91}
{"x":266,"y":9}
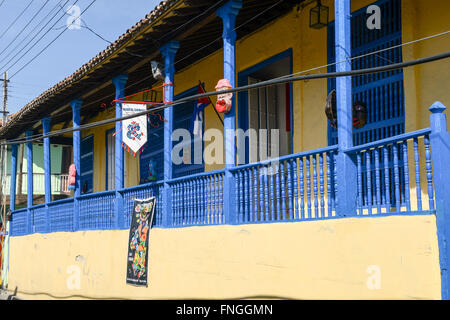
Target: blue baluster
{"x":191,"y":199}
{"x":329,"y":184}
{"x":278,"y":192}
{"x":255,"y":189}
{"x":360,"y":187}
{"x":387,"y":179}
{"x":429,"y":171}
{"x":294,"y":168}
{"x":261,"y":195}
{"x":377,"y":179}
{"x":246,"y":195}
{"x":283,"y":192}
{"x":406,"y":174}
{"x":308,"y":186}
{"x":302,"y":189}
{"x":272,"y":201}
{"x":315,"y":186}
{"x":322,"y":189}
{"x":396,"y":177}
{"x":417,"y":170}
{"x":266,"y":195}
{"x":208,"y":195}
{"x":250,"y":209}
{"x":335,"y":199}
{"x":289,"y":171}
{"x":369,"y":180}
{"x":241,"y":197}
{"x":221,"y":197}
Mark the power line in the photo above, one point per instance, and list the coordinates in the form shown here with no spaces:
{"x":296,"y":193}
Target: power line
{"x":26,"y":37}
{"x":261,"y":84}
{"x":26,"y":26}
{"x":17,"y":18}
{"x":2,"y":3}
{"x":48,"y":45}
{"x":33,"y":39}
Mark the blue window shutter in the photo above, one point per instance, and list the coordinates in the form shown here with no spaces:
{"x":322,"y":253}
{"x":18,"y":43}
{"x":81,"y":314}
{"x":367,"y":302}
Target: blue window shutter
{"x":182,"y":120}
{"x":152,"y":157}
{"x":87,"y":164}
{"x":383,"y":92}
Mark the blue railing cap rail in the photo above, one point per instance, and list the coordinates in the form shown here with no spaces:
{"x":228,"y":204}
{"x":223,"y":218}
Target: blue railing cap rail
{"x":391,"y":140}
{"x":287,"y":157}
{"x":142,"y":186}
{"x":97,"y":194}
{"x":60,"y":201}
{"x":198,"y":175}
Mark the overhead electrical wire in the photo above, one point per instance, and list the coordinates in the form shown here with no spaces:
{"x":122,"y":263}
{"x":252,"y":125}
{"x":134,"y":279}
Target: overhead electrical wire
{"x":15,"y":20}
{"x":26,"y":26}
{"x":48,"y":45}
{"x":29,"y":49}
{"x":261,"y":84}
{"x":31,"y":31}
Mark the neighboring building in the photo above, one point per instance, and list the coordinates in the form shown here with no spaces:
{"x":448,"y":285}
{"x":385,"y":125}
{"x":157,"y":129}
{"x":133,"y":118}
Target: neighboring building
{"x":335,"y":213}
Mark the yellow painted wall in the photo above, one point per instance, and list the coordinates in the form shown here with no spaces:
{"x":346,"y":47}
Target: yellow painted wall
{"x":427,"y":83}
{"x":324,"y":259}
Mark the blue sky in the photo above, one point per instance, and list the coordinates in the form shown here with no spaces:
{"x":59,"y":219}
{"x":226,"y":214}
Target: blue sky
{"x":108,"y":18}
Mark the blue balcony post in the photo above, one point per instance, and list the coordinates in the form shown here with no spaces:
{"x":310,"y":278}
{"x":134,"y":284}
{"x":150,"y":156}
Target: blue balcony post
{"x":440,"y":149}
{"x":12,"y":192}
{"x":228,"y":14}
{"x":76,"y":108}
{"x":168,"y":51}
{"x":119,"y":221}
{"x":346,"y":193}
{"x":47,"y":170}
{"x":28,"y":134}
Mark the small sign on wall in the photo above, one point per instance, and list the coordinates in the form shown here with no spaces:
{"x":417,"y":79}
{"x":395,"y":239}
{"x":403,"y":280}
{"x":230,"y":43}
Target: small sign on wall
{"x":137,"y":258}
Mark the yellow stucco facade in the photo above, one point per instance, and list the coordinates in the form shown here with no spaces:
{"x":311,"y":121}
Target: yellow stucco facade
{"x":357,"y":258}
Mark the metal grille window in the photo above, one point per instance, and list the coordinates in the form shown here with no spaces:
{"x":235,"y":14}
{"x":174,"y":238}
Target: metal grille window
{"x":382,"y":92}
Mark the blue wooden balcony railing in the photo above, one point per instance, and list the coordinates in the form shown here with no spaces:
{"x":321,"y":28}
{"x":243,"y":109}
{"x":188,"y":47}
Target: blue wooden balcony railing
{"x":394,"y":176}
{"x":294,"y":187}
{"x":386,"y":169}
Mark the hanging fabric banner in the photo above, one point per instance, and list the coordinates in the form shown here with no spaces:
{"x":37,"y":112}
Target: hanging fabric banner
{"x":134,"y":130}
{"x":141,"y":223}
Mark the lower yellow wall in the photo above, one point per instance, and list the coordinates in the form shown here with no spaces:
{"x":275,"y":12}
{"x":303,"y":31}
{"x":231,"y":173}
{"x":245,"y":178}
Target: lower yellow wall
{"x":323,"y":259}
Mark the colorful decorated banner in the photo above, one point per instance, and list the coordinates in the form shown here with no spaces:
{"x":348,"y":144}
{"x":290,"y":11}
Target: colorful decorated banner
{"x":134,"y":130}
{"x":137,"y":259}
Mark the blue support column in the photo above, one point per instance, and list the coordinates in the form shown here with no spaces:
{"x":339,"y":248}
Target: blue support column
{"x":119,"y":82}
{"x":28,"y":134}
{"x":12,"y":192}
{"x":76,"y":107}
{"x":47,"y":170}
{"x":168,"y":51}
{"x":440,"y":149}
{"x":346,"y":193}
{"x":228,"y":13}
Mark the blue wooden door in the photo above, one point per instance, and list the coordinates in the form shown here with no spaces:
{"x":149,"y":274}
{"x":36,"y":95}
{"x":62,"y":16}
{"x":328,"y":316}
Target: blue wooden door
{"x":382,"y":92}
